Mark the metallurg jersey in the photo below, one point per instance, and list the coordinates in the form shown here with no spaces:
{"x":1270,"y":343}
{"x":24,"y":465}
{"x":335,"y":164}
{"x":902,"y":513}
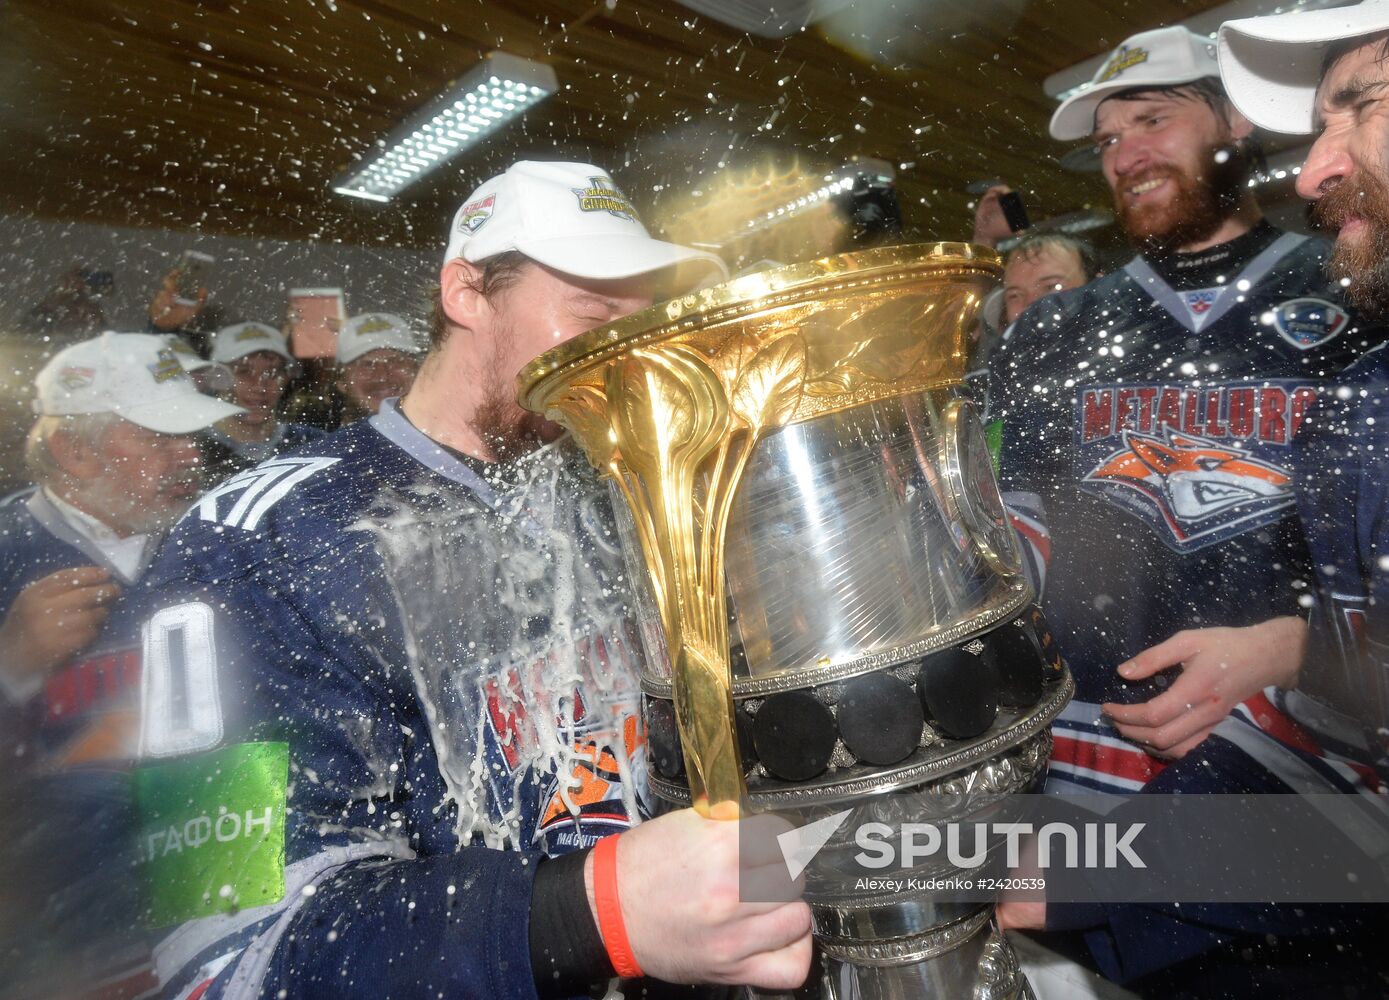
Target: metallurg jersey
{"x":1146,"y":437}
{"x":424,"y":677}
{"x":1146,"y":441}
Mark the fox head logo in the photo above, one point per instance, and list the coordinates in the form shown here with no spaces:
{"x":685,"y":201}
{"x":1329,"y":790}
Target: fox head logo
{"x":1193,"y":479}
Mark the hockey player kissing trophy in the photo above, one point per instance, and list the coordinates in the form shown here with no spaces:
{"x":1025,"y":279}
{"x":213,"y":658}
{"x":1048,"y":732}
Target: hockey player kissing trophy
{"x":836,"y":624}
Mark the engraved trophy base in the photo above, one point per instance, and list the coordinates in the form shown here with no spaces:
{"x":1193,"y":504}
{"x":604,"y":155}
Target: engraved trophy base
{"x":982,"y":966}
{"x":972,"y":960}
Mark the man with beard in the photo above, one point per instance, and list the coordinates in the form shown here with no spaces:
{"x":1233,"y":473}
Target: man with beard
{"x":115,"y":461}
{"x":1327,"y":75}
{"x":404,"y":655}
{"x":1146,"y":423}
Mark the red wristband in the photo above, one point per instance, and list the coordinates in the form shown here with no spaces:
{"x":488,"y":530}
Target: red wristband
{"x":610,"y":923}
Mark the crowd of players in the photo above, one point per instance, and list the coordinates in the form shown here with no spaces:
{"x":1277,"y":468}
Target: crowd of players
{"x":348,"y":673}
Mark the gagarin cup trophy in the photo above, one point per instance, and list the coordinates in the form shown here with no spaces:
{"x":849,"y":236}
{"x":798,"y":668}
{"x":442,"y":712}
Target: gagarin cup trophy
{"x":835,"y":615}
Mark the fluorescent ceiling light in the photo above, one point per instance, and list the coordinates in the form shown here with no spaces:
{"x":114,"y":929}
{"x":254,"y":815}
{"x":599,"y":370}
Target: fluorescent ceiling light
{"x":493,"y":93}
{"x":837,"y":183}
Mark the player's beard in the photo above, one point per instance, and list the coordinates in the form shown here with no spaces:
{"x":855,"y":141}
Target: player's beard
{"x":1364,"y":262}
{"x":508,"y":430}
{"x":1195,"y":212}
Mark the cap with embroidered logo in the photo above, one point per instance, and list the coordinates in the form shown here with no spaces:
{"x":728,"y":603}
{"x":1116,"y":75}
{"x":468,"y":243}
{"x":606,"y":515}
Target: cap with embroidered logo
{"x":240,"y":339}
{"x":570,"y":217}
{"x":369,"y":332}
{"x":1272,"y":65}
{"x":1164,"y":57}
{"x":188,"y":357}
{"x":136,"y":376}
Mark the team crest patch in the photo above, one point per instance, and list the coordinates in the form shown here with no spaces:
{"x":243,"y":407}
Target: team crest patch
{"x":1199,"y":301}
{"x":1124,"y":58}
{"x":76,"y":378}
{"x":1199,"y":489}
{"x":1309,"y":323}
{"x":167,"y":367}
{"x":602,"y":195}
{"x":475,"y":213}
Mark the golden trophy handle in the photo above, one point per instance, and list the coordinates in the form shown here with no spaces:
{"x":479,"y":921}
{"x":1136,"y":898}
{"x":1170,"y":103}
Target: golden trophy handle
{"x":671,"y":403}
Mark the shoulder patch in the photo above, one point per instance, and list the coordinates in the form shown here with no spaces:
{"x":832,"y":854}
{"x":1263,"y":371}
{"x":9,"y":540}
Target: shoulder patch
{"x":1307,"y":322}
{"x":245,"y":498}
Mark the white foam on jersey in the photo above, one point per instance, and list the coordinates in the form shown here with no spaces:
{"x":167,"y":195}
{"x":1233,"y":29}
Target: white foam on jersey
{"x":522,"y":604}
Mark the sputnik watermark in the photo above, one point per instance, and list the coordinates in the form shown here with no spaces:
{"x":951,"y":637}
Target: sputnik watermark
{"x":912,"y":844}
{"x":1148,"y":848}
{"x":1100,"y":846}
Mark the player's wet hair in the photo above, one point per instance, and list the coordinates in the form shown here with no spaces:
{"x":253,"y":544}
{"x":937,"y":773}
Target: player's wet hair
{"x":1208,"y":90}
{"x":499,"y":273}
{"x":1335,"y":50}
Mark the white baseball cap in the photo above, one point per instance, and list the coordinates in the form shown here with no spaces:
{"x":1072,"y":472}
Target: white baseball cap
{"x":1164,"y":57}
{"x":190,"y":359}
{"x":372,"y":331}
{"x":136,"y":376}
{"x":1272,"y":65}
{"x":570,"y":217}
{"x":240,"y":339}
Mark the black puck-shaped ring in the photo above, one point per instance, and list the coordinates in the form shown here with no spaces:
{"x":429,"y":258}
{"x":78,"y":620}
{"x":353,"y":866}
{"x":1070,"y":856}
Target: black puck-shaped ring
{"x":1015,"y":654}
{"x":793,"y":734}
{"x":742,"y":724}
{"x":959,"y":693}
{"x":1053,"y":666}
{"x":879,"y":719}
{"x":663,"y":736}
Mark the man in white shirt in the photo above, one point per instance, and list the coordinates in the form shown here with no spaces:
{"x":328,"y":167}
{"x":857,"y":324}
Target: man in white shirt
{"x":115,"y":461}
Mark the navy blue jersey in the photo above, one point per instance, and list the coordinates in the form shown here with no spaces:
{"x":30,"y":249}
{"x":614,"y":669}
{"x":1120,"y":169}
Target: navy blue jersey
{"x":1146,"y":452}
{"x":1344,"y":502}
{"x":83,"y":712}
{"x":223,"y":457}
{"x":70,"y":906}
{"x":450,"y":663}
{"x":1147,"y":457}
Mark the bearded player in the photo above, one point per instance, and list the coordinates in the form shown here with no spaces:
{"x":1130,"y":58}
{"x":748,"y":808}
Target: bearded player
{"x":1147,"y":422}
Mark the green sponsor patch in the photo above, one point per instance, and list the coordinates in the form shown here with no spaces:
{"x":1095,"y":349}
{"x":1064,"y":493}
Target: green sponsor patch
{"x":993,"y":435}
{"x":212,"y":831}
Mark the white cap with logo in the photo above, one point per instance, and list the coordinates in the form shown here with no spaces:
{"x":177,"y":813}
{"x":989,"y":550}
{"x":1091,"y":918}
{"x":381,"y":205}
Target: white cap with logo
{"x":190,"y":359}
{"x":1164,"y":57}
{"x":373,"y":331}
{"x":570,"y":217}
{"x":1272,"y":65}
{"x":240,"y":339}
{"x":136,"y":376}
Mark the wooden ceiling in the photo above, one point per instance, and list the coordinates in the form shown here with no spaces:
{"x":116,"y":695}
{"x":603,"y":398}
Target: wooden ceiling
{"x":233,"y":116}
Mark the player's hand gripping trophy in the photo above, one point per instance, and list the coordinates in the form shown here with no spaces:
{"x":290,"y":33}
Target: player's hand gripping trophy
{"x":837,"y":623}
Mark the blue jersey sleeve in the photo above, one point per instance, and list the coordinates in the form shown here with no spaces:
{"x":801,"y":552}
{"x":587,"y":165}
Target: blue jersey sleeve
{"x":378,"y":897}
